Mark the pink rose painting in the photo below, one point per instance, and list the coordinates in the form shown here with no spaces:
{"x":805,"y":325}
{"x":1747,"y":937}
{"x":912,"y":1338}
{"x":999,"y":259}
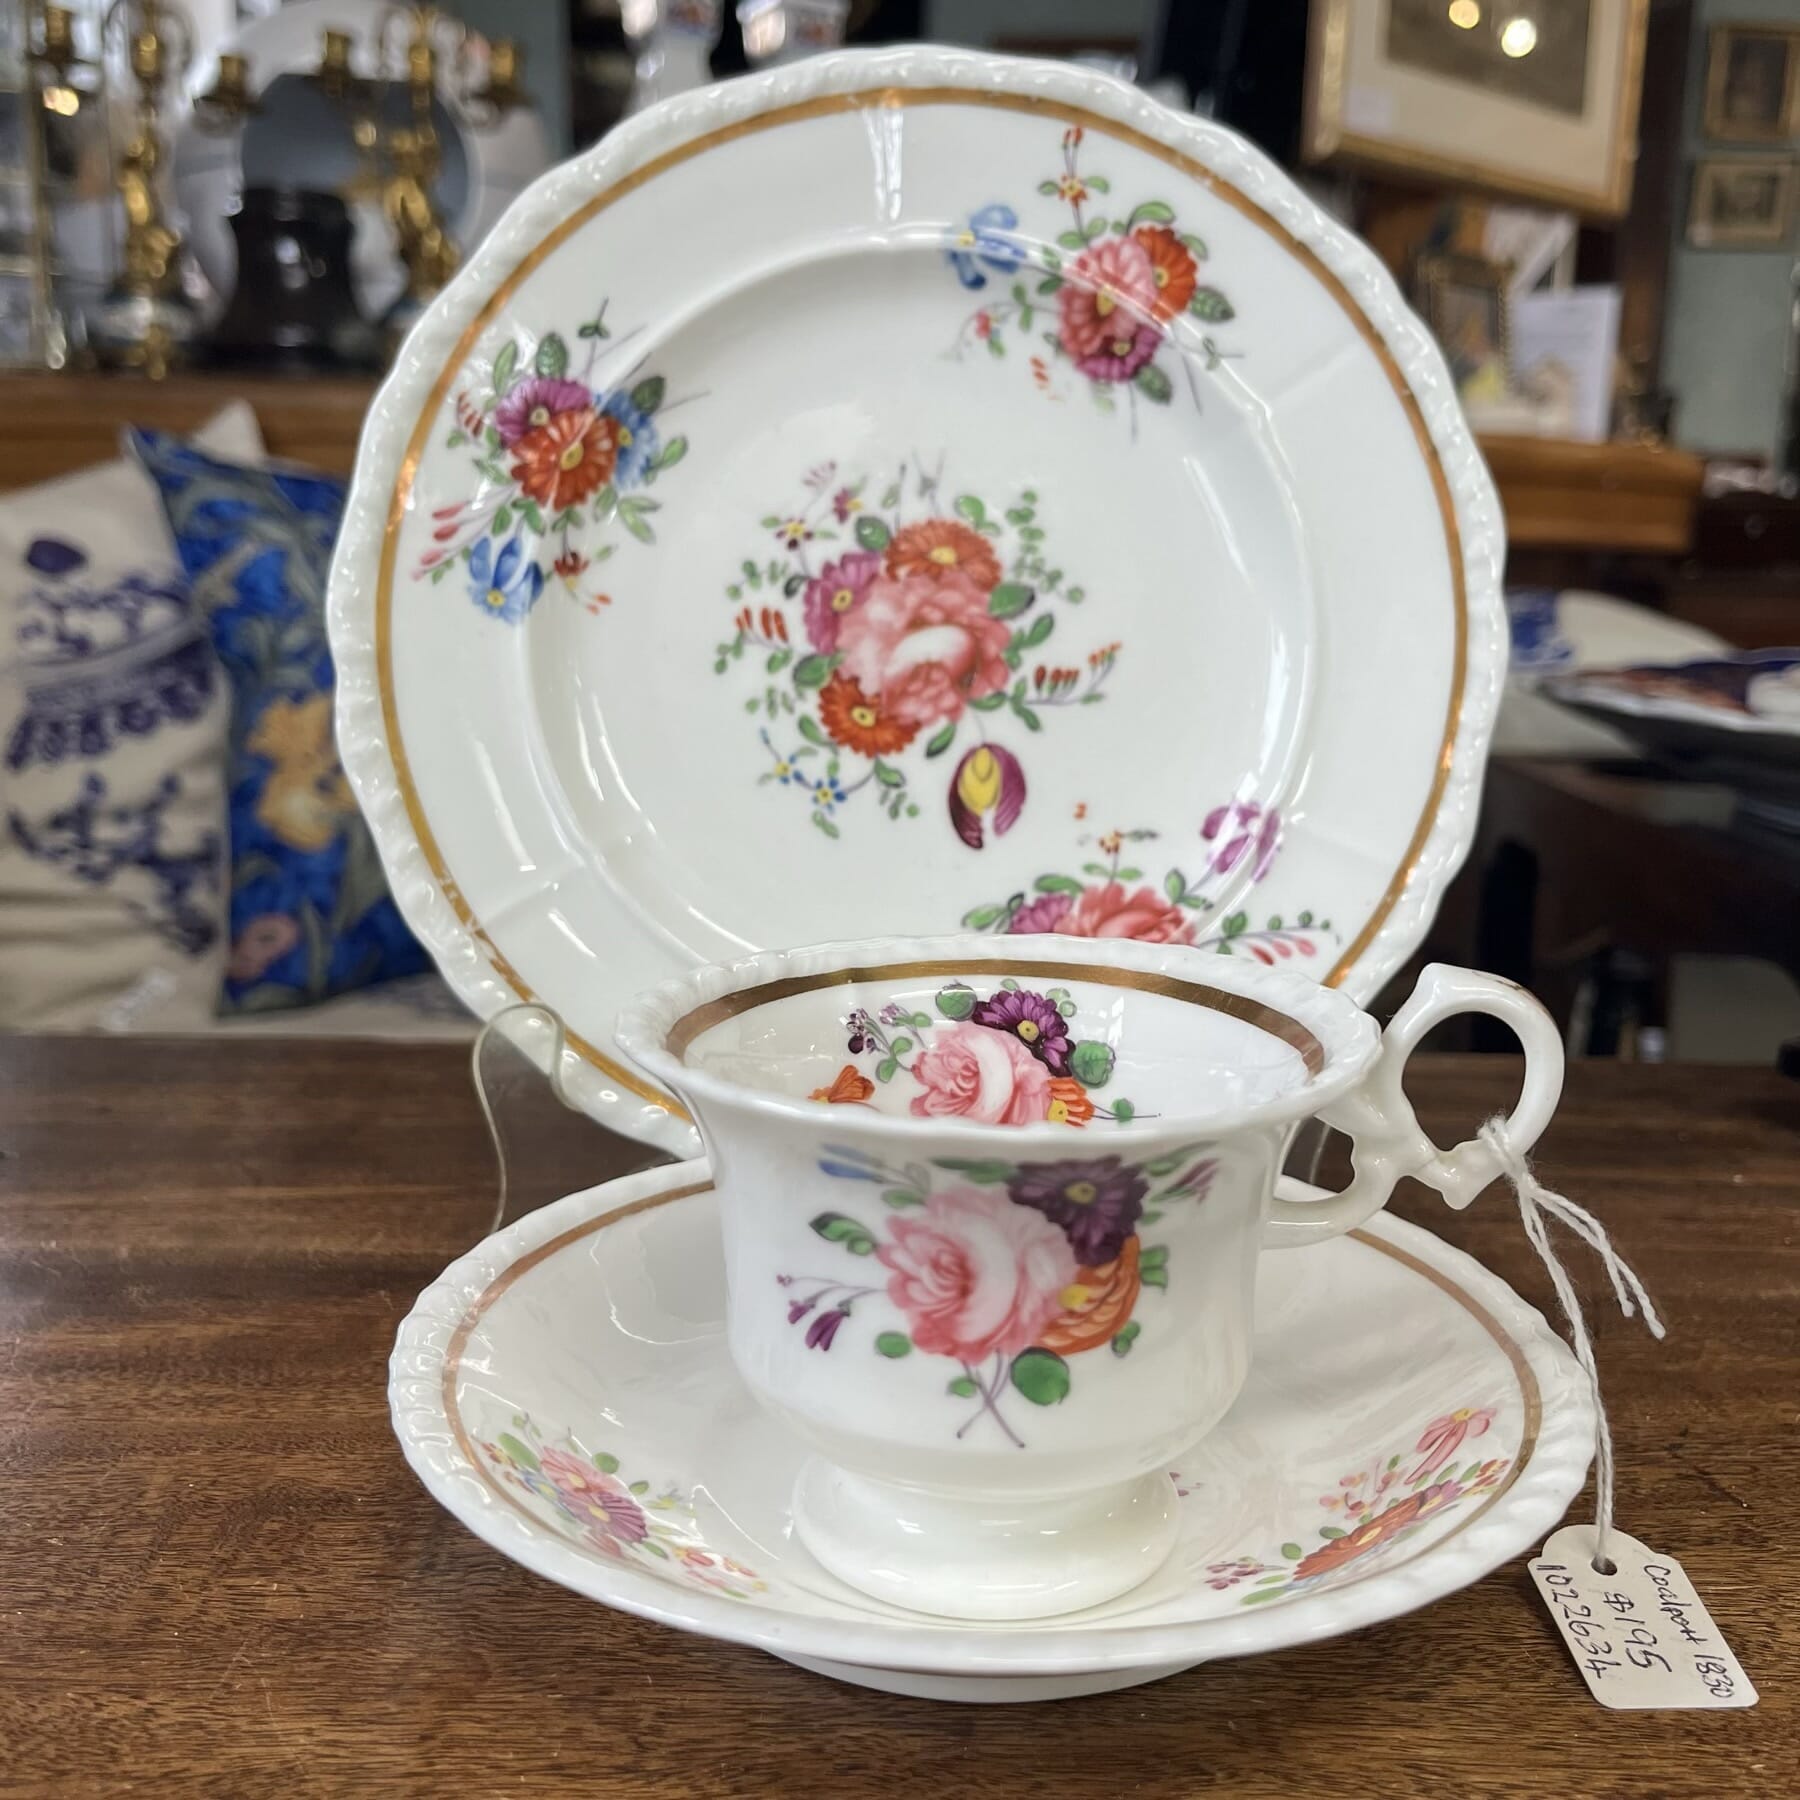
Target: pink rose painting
{"x":1110,"y":910}
{"x":975,"y":1275}
{"x":970,"y":1072}
{"x":1239,"y":843}
{"x":915,"y":635}
{"x":925,"y":647}
{"x":1010,"y":1271}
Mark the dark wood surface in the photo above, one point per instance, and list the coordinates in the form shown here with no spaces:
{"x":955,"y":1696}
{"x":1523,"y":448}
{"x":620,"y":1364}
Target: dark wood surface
{"x":218,"y":1577}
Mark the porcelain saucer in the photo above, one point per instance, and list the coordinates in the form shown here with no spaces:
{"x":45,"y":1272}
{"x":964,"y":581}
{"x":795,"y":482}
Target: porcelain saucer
{"x":566,"y":1391}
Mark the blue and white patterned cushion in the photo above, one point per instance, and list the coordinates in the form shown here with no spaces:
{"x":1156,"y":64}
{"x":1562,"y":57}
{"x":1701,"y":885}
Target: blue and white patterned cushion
{"x":112,"y":736}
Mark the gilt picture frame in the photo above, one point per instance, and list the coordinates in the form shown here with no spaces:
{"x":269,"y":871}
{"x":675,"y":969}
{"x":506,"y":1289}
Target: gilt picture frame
{"x":1741,"y":203}
{"x":1464,"y":94}
{"x":1752,"y":84}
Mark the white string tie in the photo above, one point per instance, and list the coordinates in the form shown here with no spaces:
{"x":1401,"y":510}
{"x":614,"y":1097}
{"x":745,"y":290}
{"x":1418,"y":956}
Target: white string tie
{"x":1536,"y":1203}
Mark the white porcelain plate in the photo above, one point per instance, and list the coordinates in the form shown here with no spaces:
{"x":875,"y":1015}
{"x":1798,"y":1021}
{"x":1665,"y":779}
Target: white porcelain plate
{"x":566,"y":1391}
{"x":902,"y":492}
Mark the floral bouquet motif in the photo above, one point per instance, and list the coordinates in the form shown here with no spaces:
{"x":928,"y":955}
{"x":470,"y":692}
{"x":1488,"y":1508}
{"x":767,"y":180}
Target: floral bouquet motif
{"x":558,"y":461}
{"x":1007,"y":1059}
{"x":1109,"y":292}
{"x":1111,"y":898}
{"x":898,"y":625}
{"x":1006,"y":1270}
{"x":591,"y":1502}
{"x":1375,"y":1507}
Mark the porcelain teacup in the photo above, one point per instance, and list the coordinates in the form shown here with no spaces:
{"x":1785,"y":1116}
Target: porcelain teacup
{"x":992,"y":1209}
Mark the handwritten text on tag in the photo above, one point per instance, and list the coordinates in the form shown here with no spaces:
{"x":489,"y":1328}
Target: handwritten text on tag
{"x":1640,"y":1635}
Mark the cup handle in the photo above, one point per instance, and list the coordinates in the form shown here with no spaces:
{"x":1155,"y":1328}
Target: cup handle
{"x":1386,"y":1141}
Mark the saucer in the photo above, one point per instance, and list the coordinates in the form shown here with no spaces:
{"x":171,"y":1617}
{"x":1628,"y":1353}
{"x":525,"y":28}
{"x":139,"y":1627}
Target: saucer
{"x":911,"y":492}
{"x":565,"y":1390}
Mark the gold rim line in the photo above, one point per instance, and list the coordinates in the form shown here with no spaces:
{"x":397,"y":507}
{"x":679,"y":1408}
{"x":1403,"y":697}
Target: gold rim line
{"x":867,"y":99}
{"x":1530,"y":1396}
{"x":1194,"y":993}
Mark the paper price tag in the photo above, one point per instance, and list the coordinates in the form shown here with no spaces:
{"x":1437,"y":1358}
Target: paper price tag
{"x":1640,"y":1636}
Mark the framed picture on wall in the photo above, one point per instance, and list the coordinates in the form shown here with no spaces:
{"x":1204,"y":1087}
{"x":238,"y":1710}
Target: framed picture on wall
{"x":1752,"y":83}
{"x":1534,"y":99}
{"x":1741,"y":203}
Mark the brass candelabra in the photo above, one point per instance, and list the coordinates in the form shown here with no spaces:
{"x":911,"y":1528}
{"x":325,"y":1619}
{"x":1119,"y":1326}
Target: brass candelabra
{"x":147,"y":319}
{"x":402,"y":157}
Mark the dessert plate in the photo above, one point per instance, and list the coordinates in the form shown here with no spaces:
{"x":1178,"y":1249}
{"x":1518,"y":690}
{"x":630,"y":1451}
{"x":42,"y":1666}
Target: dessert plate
{"x":903,"y":492}
{"x":566,"y":1391}
{"x":1733,"y":717}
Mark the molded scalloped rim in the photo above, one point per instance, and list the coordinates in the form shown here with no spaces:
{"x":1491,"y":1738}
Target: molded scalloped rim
{"x":1350,"y":1037}
{"x":1517,"y":1521}
{"x":362,"y":742}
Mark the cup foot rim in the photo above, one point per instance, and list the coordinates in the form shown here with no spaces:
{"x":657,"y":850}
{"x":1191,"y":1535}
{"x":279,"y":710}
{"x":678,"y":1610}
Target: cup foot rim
{"x":970,"y":1558}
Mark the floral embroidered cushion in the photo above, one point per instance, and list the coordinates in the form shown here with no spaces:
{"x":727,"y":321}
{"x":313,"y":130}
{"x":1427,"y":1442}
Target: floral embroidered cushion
{"x":310,"y":913}
{"x":112,"y":745}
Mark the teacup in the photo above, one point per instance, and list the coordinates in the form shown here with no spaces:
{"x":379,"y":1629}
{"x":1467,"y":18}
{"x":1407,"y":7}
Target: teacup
{"x":992,"y":1209}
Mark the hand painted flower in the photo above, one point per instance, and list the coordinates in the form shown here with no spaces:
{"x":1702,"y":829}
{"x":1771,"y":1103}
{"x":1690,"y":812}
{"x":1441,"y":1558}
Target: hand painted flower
{"x":1441,"y":1439}
{"x":834,"y":593}
{"x":260,"y":944}
{"x":858,"y":722}
{"x":1095,"y":1305}
{"x":1171,"y":268}
{"x":534,"y":403}
{"x":1046,"y":913}
{"x":984,"y":240}
{"x":987,"y":780}
{"x":1069,"y":1102}
{"x":1033,"y":1020}
{"x":1107,"y":305}
{"x":849,"y":1088}
{"x":1097,"y":1202}
{"x":634,"y":437}
{"x":507,"y":585}
{"x":941,"y":548}
{"x":596,"y":1499}
{"x":974,"y":1274}
{"x":969,"y":1072}
{"x":565,"y":461}
{"x":1120,"y":357}
{"x":925,"y":647}
{"x":1243,"y":828}
{"x":823,"y":1329}
{"x":1107,"y":910}
{"x":1335,"y":1552}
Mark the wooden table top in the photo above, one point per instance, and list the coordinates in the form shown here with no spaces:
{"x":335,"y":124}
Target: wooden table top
{"x":217,"y":1576}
